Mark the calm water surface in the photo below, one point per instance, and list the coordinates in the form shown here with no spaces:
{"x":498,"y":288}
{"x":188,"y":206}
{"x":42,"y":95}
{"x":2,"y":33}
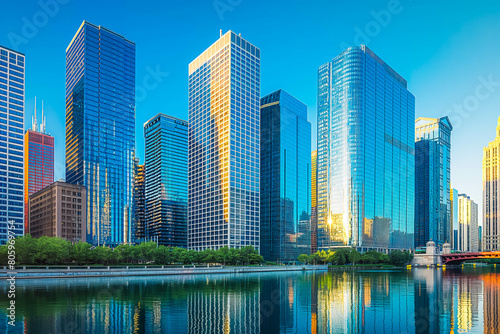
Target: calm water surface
{"x":356,"y":301}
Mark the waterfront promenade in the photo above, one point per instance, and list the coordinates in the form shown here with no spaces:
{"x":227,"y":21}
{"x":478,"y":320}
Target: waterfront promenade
{"x":127,"y":271}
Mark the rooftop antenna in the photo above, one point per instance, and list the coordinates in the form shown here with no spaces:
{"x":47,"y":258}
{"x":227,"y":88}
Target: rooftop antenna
{"x":42,"y":125}
{"x":221,"y":33}
{"x":34,"y":125}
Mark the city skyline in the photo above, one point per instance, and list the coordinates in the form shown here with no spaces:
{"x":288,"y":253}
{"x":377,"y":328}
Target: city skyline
{"x":437,"y":81}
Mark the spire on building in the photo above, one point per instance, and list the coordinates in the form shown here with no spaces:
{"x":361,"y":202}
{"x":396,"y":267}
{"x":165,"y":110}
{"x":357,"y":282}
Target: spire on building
{"x":34,"y":122}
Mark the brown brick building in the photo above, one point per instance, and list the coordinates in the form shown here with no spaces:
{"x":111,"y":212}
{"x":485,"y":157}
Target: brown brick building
{"x":58,"y":210}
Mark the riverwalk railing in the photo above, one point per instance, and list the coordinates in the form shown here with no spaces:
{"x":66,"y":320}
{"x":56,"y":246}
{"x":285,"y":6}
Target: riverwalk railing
{"x":102,"y":271}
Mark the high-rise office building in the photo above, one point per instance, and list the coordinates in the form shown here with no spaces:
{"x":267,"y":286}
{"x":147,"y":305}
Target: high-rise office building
{"x":139,"y":202}
{"x":58,"y":210}
{"x":224,"y":99}
{"x":165,"y":189}
{"x":491,"y":189}
{"x":314,"y":202}
{"x":11,"y":143}
{"x":454,"y":218}
{"x":468,"y":238}
{"x":100,"y":129}
{"x":480,"y":238}
{"x":432,"y":180}
{"x":285,"y":167}
{"x":366,"y":154}
{"x":38,"y":162}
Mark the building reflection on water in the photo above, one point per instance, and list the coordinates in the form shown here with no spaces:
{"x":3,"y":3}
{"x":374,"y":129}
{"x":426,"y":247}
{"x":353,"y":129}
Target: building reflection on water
{"x":363,"y":301}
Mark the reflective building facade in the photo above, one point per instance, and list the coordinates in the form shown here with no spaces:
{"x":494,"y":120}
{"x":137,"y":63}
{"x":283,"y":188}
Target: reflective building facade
{"x":491,"y":191}
{"x":11,"y":142}
{"x":165,"y":189}
{"x":224,"y":168}
{"x":432,"y":181}
{"x":314,"y":202}
{"x":285,"y":165}
{"x":100,"y":129}
{"x":366,"y":154}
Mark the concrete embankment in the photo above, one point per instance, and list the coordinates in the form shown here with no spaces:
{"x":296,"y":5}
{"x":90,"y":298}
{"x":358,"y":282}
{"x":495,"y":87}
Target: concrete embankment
{"x":63,"y":272}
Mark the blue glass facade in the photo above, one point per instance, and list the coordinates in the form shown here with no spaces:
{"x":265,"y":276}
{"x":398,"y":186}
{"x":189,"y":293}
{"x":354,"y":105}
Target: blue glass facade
{"x":366,"y":154}
{"x":11,"y":142}
{"x":100,"y":129}
{"x":223,"y":175}
{"x":165,"y":190}
{"x":285,"y":165}
{"x":432,"y":181}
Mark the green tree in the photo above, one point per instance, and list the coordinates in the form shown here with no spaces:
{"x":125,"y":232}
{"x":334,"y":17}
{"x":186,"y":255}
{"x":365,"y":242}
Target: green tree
{"x":354,"y":256}
{"x":80,"y":253}
{"x":222,"y":255}
{"x":246,"y":253}
{"x":101,"y":254}
{"x":303,"y":258}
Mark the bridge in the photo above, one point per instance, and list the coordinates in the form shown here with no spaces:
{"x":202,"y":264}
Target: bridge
{"x":446,"y":257}
{"x":457,"y":258}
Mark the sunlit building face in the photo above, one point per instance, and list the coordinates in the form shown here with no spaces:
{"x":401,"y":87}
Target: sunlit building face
{"x":100,"y":129}
{"x":223,"y":172}
{"x":366,"y":154}
{"x":491,"y":200}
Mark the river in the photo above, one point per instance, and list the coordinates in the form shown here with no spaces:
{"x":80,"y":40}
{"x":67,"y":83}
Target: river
{"x":463,"y":300}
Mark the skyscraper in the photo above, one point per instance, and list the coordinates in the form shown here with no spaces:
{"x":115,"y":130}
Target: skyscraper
{"x":491,"y":188}
{"x":38,"y":162}
{"x":224,"y":99}
{"x":454,"y":218}
{"x":139,"y":202}
{"x":468,"y":238}
{"x":366,"y":154}
{"x":432,"y":180}
{"x":11,"y":142}
{"x":285,"y":167}
{"x":314,"y":202}
{"x":165,"y":190}
{"x":100,"y":129}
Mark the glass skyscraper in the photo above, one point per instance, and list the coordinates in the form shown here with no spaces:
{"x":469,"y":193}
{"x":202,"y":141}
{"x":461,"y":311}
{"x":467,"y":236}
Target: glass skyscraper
{"x":224,"y":167}
{"x":38,"y":162}
{"x":314,"y":201}
{"x":165,"y":190}
{"x":11,"y":142}
{"x":285,"y":167}
{"x":432,"y":181}
{"x":100,"y":129}
{"x":366,"y":154}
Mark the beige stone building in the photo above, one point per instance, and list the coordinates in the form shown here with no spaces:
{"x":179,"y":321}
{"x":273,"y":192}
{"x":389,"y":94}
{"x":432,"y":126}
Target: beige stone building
{"x":58,"y":210}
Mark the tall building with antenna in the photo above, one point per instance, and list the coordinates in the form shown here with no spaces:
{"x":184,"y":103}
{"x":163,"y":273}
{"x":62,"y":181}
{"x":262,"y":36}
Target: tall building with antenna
{"x":38,"y":161}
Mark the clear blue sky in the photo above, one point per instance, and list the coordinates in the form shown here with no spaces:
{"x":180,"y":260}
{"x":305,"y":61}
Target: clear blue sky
{"x":445,"y":50}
